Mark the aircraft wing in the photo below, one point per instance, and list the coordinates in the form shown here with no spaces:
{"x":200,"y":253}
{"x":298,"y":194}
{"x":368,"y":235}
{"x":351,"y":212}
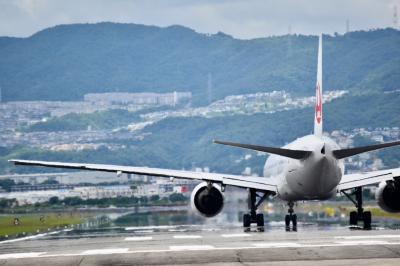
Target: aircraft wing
{"x":259,"y":183}
{"x":369,"y":178}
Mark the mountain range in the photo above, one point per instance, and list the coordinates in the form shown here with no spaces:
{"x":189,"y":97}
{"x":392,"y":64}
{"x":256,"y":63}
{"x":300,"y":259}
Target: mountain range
{"x":67,"y":61}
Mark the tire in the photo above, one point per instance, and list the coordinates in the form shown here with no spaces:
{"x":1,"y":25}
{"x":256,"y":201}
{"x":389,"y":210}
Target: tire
{"x":246,"y":220}
{"x":353,"y":218}
{"x":287,"y":222}
{"x":294,"y":220}
{"x":367,"y":220}
{"x":260,"y":219}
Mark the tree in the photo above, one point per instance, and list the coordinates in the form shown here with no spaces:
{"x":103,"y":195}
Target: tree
{"x":6,"y":184}
{"x":154,"y":198}
{"x":54,"y":200}
{"x":143,"y":200}
{"x":7,"y":203}
{"x":176,"y":197}
{"x":50,"y":182}
{"x":73,"y":201}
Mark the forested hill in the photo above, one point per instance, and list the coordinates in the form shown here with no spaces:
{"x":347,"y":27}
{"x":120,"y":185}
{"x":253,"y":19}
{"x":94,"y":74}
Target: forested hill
{"x":67,"y":61}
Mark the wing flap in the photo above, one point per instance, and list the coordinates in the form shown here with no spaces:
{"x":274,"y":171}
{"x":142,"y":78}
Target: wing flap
{"x":258,"y":183}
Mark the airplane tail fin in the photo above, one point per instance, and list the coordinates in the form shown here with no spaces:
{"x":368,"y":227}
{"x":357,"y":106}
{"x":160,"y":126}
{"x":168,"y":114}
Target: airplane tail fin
{"x":294,"y":154}
{"x":318,"y":94}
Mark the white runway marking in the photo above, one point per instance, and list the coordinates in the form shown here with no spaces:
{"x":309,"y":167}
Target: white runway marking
{"x":34,"y":236}
{"x":105,"y":251}
{"x":150,"y":227}
{"x":177,"y":230}
{"x":144,"y":231}
{"x":28,"y":237}
{"x":367,"y":237}
{"x":193,"y":247}
{"x":22,"y":238}
{"x":235,"y":235}
{"x":363,"y":242}
{"x":21,"y":255}
{"x":187,"y":236}
{"x":211,"y":229}
{"x":276,"y":244}
{"x":138,"y":238}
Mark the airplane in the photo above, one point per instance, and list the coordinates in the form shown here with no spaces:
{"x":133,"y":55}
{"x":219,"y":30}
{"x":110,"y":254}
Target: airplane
{"x":309,"y":168}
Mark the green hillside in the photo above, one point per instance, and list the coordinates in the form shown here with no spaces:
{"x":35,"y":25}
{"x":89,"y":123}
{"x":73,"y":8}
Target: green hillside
{"x":184,"y":142}
{"x":65,"y":62}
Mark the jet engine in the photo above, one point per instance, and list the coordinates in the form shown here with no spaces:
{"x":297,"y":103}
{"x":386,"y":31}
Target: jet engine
{"x":206,"y":199}
{"x":388,"y":196}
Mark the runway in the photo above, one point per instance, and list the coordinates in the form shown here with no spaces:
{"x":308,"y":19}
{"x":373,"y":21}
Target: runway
{"x":191,"y":245}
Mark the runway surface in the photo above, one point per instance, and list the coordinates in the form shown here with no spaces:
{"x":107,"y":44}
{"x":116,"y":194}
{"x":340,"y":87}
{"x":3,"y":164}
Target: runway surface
{"x":172,"y":245}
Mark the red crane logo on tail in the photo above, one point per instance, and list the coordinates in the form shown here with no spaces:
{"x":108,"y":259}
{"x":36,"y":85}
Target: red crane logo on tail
{"x":318,"y":105}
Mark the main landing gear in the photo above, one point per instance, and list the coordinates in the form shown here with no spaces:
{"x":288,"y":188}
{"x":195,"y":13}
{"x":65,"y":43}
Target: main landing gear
{"x":253,"y":217}
{"x":360,"y":214}
{"x":291,"y":218}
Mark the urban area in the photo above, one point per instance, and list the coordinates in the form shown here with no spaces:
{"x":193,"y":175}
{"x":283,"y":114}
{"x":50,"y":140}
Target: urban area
{"x":33,"y":188}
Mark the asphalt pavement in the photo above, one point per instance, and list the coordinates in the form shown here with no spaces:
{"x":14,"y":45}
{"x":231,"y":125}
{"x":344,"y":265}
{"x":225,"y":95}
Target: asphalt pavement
{"x":194,"y":245}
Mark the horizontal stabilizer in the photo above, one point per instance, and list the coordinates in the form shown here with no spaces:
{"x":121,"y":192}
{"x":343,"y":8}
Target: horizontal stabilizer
{"x":294,"y":154}
{"x":344,"y":153}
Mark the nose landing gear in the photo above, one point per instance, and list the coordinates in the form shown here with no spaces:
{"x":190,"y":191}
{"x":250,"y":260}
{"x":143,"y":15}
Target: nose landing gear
{"x":291,"y":218}
{"x":253,"y":216}
{"x":360,"y":214}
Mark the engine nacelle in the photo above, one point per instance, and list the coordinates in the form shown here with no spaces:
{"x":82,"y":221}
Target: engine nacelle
{"x":388,"y":196}
{"x":208,"y":201}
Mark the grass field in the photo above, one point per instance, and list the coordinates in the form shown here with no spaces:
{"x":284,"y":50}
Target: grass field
{"x":31,"y":223}
{"x":378,"y":212}
{"x":336,"y":208}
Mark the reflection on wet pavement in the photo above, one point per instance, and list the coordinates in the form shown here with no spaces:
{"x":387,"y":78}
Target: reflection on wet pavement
{"x":184,"y":220}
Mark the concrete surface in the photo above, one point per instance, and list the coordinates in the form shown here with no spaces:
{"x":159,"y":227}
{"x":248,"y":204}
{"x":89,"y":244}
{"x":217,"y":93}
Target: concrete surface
{"x":218,"y":246}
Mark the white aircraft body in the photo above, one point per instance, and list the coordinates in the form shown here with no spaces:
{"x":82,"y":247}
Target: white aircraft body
{"x":309,"y":168}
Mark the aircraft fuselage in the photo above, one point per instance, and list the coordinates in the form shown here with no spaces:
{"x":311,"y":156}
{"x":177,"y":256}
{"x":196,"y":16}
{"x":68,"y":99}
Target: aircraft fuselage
{"x":314,"y":178}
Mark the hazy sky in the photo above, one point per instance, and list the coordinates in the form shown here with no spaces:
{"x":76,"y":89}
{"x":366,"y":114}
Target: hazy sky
{"x":240,"y":18}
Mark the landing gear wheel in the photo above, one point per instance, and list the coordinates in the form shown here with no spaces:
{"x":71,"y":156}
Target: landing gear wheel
{"x":287,"y":222}
{"x":291,"y":218}
{"x":260,"y":219}
{"x":353,"y":218}
{"x":253,"y":217}
{"x":246,"y":221}
{"x":294,"y":222}
{"x":360,"y":214}
{"x":260,"y":222}
{"x":367,"y":220}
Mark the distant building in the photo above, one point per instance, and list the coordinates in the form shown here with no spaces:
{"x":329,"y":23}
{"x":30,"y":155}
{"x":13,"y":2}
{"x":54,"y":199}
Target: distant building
{"x":143,"y":98}
{"x":29,"y":194}
{"x":94,"y":192}
{"x":90,"y":192}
